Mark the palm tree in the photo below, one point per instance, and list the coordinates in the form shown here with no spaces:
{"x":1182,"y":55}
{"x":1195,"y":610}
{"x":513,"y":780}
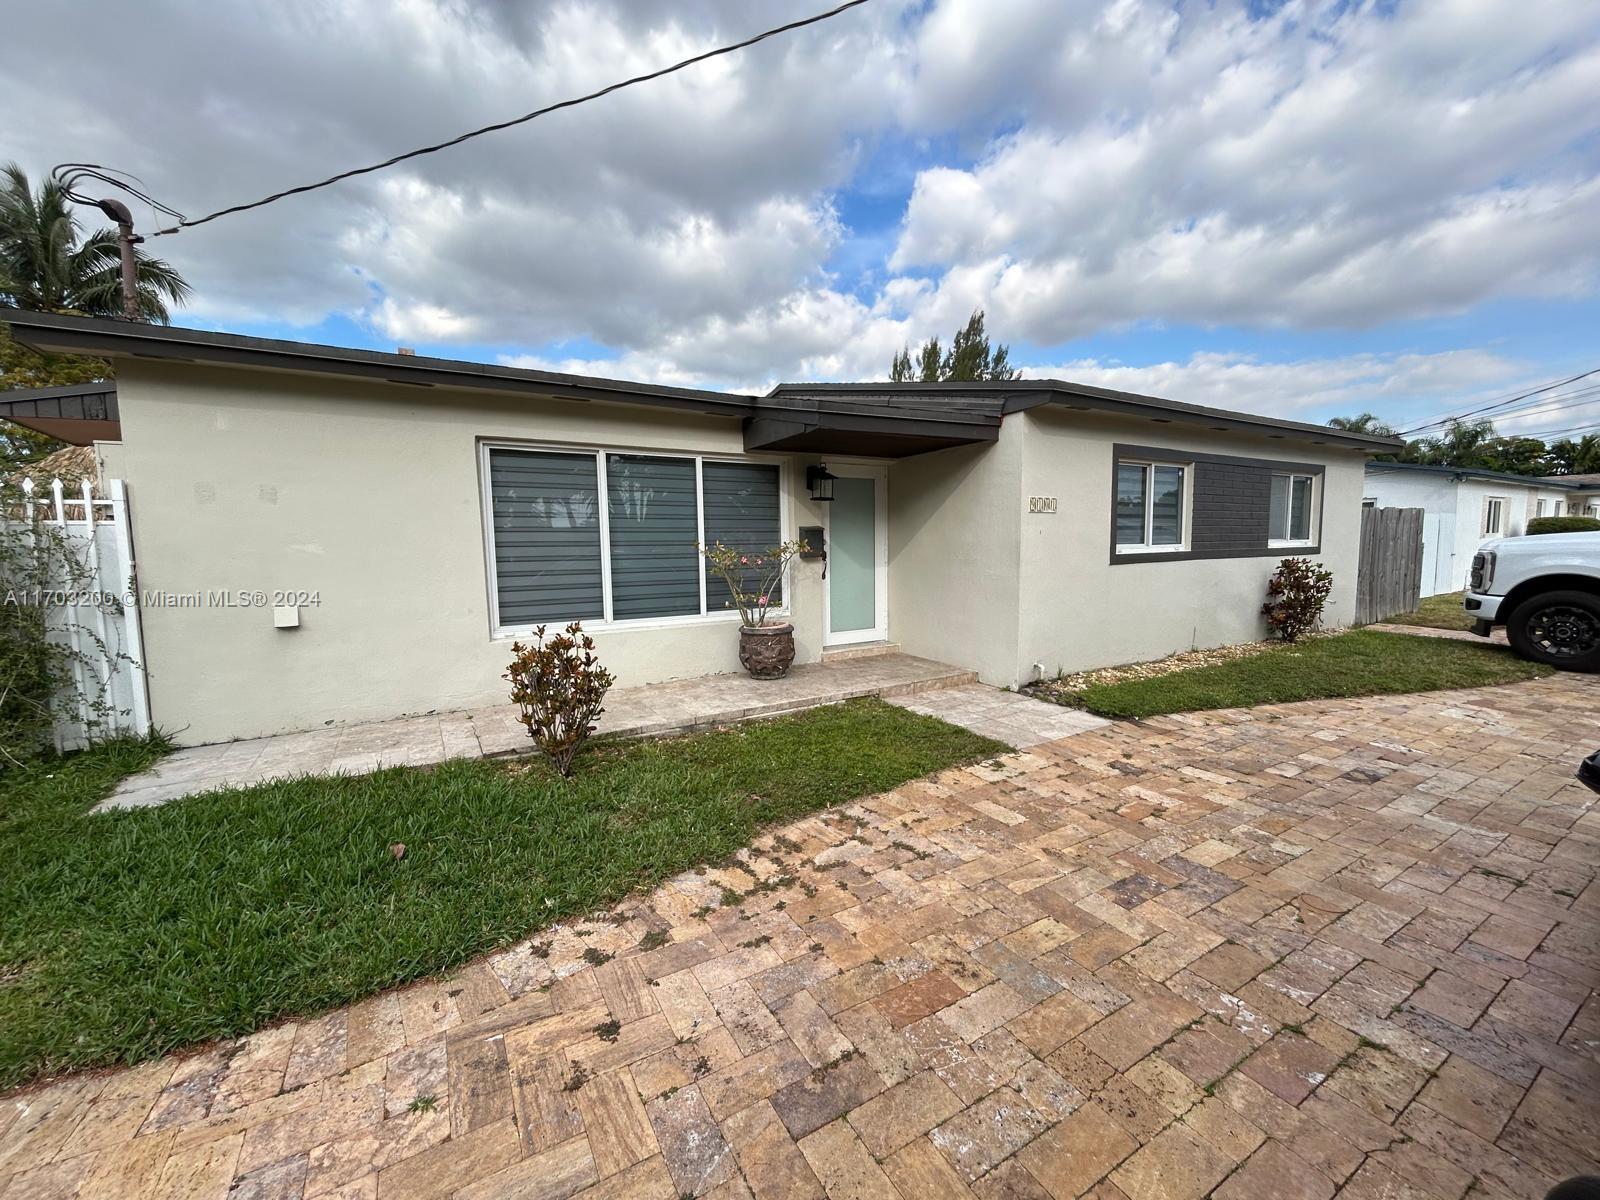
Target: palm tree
{"x":1365,"y":423}
{"x":46,"y":268}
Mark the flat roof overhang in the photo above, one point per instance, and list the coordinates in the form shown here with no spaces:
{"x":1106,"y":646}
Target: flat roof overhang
{"x":77,"y":413}
{"x":864,"y":435}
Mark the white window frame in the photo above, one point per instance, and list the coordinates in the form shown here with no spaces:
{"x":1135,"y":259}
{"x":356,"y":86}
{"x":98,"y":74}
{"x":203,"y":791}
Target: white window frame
{"x":1539,"y":506}
{"x":1496,"y":505}
{"x":1313,"y":525}
{"x":500,"y":632}
{"x":1186,"y":491}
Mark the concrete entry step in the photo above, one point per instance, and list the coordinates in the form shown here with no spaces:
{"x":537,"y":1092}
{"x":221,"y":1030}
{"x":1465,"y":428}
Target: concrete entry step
{"x":865,"y":650}
{"x":656,"y":710}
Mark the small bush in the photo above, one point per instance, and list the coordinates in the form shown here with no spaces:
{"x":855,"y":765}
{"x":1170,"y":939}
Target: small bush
{"x":560,"y":686}
{"x":1563,"y":524}
{"x":1296,"y":595}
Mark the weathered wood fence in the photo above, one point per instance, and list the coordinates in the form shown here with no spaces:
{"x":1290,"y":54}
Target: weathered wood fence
{"x":1389,"y":578}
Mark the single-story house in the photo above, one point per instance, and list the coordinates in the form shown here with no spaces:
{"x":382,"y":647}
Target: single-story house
{"x":1465,"y":507}
{"x":424,"y":513}
{"x":1584,"y":498}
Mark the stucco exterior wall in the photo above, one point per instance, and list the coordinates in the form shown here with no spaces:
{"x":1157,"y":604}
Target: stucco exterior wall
{"x":954,"y":546}
{"x":1079,"y":610}
{"x":1449,"y":543}
{"x":369,"y":495}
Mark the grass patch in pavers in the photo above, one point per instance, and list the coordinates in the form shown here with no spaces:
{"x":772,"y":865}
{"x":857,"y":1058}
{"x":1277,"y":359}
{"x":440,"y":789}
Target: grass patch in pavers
{"x":127,"y":934}
{"x":1358,"y":663}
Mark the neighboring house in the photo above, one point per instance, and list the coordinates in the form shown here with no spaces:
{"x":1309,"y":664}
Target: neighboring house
{"x":1583,"y":500}
{"x":77,"y":414}
{"x":70,"y":464}
{"x":424,"y":513}
{"x":1465,"y":507}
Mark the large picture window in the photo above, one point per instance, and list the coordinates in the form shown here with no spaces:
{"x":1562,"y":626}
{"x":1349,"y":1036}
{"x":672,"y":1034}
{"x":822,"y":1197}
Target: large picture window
{"x":1291,"y":510}
{"x":1150,"y":504}
{"x":611,"y":537}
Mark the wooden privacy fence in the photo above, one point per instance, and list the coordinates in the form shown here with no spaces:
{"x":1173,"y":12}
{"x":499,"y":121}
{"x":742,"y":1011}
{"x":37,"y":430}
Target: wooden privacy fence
{"x":1389,"y":577}
{"x":92,"y":608}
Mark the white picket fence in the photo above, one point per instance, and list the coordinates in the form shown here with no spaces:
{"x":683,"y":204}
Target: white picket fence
{"x":96,"y":615}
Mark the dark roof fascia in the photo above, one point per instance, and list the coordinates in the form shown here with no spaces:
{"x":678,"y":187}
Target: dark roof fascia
{"x":1459,"y":473}
{"x":99,"y":336}
{"x":1019,"y":395}
{"x":105,"y":387}
{"x":1083,"y":396}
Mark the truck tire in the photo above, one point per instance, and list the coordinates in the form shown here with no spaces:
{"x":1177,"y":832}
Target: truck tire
{"x":1558,"y":628}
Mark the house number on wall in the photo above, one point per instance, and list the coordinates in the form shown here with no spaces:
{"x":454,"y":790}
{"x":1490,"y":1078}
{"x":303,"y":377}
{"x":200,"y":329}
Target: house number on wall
{"x":1041,"y":504}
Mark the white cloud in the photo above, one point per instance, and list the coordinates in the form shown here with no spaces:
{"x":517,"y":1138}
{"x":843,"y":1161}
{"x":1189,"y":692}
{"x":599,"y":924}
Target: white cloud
{"x":1324,"y":167}
{"x":1397,"y":385}
{"x":1078,"y":166}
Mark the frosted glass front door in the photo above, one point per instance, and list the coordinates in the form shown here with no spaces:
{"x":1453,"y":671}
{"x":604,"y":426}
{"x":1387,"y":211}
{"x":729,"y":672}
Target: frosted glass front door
{"x":852,"y":556}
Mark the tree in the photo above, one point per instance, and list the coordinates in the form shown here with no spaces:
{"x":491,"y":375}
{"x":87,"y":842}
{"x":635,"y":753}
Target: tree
{"x":45,"y":267}
{"x":1367,"y":423}
{"x":1572,"y":456}
{"x":1462,"y":444}
{"x":969,"y":359}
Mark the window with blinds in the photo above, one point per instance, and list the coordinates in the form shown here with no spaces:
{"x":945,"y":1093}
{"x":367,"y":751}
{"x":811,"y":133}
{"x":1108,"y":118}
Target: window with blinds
{"x":741,"y":511}
{"x":560,"y":555}
{"x":545,"y":513}
{"x":655,"y":523}
{"x":1149,"y":506}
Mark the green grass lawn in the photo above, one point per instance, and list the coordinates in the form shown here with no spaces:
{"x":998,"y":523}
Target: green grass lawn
{"x":1436,"y":612}
{"x":124,"y":935}
{"x":1359,"y":663}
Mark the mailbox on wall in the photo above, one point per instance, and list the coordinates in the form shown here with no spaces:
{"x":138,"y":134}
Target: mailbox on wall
{"x":816,"y":541}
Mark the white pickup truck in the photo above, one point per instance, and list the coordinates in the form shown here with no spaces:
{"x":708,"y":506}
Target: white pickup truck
{"x":1545,"y":589}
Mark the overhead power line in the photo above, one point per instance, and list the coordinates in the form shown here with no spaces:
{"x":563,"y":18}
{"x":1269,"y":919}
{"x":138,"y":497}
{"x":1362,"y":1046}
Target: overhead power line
{"x":1555,"y":403}
{"x":184,"y":222}
{"x":1549,"y":387}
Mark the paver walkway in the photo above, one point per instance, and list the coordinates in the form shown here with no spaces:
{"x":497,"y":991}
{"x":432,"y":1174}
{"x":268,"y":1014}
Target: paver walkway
{"x":1016,"y":720}
{"x":1342,"y":946}
{"x":663,"y":708}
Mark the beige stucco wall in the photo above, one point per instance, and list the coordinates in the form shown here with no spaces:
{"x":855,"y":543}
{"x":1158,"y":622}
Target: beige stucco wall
{"x":954,"y":545}
{"x":369,"y":494}
{"x":1079,"y":611}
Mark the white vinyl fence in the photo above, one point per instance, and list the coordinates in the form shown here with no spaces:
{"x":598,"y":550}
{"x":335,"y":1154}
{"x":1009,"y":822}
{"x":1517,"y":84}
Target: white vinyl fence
{"x":96,"y":614}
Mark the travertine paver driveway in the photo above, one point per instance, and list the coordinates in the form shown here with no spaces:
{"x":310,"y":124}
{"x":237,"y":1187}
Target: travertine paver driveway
{"x":1272,"y":954}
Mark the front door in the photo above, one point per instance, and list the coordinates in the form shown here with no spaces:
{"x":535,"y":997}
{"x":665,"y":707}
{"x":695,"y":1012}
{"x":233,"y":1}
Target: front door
{"x":858,"y":557}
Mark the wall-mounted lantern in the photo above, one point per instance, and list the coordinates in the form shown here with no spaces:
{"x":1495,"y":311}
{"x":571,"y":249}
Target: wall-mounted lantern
{"x":819,"y":482}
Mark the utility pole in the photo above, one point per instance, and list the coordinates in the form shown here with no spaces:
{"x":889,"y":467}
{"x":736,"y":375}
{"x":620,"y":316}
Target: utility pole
{"x":126,"y":240}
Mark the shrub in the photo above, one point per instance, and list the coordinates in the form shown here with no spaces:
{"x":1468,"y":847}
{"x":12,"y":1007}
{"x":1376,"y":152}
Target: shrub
{"x":753,"y":577}
{"x":1296,"y":596}
{"x":44,"y":675}
{"x":1563,"y":524}
{"x":559,"y":685}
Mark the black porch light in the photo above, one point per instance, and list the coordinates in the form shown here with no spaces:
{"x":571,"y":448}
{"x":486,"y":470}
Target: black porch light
{"x":819,"y":482}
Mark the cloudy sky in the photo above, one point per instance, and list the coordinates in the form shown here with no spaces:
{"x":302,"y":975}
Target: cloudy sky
{"x":1302,"y":208}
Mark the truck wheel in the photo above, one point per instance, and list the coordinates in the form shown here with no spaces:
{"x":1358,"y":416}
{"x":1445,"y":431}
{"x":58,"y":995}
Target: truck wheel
{"x":1558,"y":628}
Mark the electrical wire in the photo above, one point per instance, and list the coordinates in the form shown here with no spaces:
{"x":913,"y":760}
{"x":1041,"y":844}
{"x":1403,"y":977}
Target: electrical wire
{"x":1574,"y":399}
{"x":1499,"y":403}
{"x":95,"y":171}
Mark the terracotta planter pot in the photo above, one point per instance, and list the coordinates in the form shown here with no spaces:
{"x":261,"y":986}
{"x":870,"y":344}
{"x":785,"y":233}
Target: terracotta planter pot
{"x":766,"y":650}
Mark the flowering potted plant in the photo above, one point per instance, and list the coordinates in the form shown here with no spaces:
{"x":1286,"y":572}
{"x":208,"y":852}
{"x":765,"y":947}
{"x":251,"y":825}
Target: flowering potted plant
{"x":753,"y":578}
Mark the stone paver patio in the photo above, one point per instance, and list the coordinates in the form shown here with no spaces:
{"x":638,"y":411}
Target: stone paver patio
{"x":664,"y":708}
{"x":1342,"y":947}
